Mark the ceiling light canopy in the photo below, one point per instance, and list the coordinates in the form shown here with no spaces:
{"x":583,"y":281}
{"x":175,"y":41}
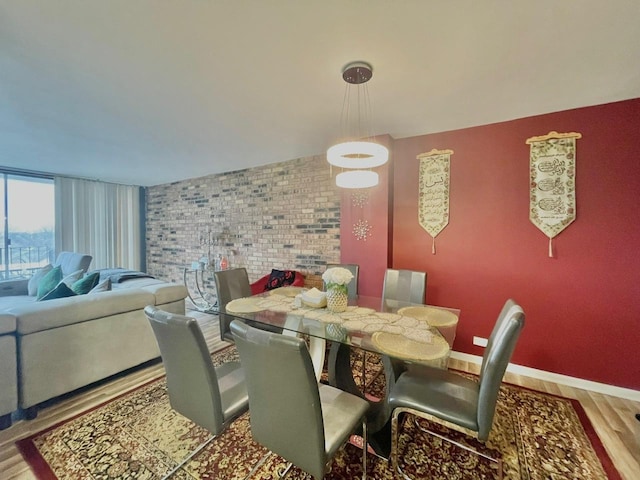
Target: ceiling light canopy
{"x":357,"y":155}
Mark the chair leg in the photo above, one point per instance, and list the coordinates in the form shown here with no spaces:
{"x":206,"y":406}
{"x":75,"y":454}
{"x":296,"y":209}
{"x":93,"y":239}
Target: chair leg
{"x":284,"y":471}
{"x":365,"y":447}
{"x":394,"y":442}
{"x":395,"y":467}
{"x":258,"y":465}
{"x":198,"y":449}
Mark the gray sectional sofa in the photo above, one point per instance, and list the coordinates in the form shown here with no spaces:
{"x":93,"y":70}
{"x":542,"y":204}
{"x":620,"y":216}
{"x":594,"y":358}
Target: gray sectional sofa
{"x":48,"y":348}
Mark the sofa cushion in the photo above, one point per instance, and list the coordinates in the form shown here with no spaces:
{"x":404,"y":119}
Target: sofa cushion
{"x":35,"y":279}
{"x":7,"y":323}
{"x":86,"y":284}
{"x":49,"y":281}
{"x":11,"y":301}
{"x":39,"y":316}
{"x":60,"y":291}
{"x":167,"y":292}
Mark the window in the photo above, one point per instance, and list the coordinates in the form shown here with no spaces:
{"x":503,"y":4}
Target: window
{"x":27,"y":233}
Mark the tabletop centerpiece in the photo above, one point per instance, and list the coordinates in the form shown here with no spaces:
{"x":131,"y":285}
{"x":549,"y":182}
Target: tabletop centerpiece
{"x":336,"y":280}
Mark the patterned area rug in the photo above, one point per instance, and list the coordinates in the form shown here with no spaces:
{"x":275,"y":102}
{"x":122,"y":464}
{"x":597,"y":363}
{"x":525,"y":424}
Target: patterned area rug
{"x":138,"y":436}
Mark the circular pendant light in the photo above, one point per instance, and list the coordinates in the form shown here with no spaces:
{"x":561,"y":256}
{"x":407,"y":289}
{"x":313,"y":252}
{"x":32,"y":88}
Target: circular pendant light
{"x":357,"y":155}
{"x":357,"y":179}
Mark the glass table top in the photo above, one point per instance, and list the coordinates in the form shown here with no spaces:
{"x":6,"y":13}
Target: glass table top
{"x":403,"y":330}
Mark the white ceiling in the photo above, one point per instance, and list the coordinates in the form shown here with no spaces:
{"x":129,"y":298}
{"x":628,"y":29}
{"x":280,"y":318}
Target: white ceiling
{"x":152,"y":91}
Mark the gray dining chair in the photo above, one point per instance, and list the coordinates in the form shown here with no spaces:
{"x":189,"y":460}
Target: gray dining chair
{"x":209,"y":396}
{"x":458,"y":400}
{"x":352,"y":286}
{"x":230,"y":285}
{"x":405,"y":286}
{"x":291,"y":413}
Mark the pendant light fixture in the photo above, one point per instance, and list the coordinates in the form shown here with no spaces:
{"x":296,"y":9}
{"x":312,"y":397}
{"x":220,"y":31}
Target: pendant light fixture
{"x":360,"y":154}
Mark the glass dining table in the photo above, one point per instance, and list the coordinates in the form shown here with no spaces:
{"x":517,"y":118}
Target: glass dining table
{"x":405,"y":335}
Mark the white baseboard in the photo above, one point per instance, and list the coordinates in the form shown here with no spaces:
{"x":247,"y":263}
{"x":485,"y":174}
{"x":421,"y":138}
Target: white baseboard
{"x":575,"y":382}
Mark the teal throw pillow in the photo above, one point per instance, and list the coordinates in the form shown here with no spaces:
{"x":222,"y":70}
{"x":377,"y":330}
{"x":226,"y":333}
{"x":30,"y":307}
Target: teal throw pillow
{"x":49,"y":282}
{"x":60,"y":291}
{"x":32,"y":286}
{"x":85,"y":284}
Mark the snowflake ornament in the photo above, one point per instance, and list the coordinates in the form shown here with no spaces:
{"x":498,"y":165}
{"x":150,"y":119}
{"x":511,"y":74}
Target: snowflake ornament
{"x":362,"y":230}
{"x":360,"y":198}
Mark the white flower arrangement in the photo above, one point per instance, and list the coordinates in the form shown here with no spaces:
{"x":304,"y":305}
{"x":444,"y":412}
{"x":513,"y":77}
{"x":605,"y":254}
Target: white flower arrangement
{"x":337,"y":277}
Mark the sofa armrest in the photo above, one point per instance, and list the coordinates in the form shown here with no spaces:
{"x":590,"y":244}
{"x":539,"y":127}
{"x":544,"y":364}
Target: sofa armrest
{"x":12,"y":288}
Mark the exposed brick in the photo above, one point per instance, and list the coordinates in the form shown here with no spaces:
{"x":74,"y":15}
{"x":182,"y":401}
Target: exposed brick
{"x":284,"y":215}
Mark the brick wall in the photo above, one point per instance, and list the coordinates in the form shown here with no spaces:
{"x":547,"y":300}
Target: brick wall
{"x":284,"y":215}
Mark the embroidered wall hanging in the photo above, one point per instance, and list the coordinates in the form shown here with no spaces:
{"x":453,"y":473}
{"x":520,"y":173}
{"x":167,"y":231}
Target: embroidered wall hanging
{"x":433,"y":197}
{"x":552,"y":167}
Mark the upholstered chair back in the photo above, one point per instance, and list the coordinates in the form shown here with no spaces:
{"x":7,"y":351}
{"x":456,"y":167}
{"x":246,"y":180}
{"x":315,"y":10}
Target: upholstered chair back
{"x":405,"y":286}
{"x":192,"y":381}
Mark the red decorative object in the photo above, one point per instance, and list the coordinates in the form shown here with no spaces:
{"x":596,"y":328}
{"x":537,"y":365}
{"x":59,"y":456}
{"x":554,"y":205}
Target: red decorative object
{"x":262,"y":284}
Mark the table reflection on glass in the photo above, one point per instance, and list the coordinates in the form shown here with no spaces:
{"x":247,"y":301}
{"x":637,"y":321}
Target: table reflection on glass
{"x":407,"y":335}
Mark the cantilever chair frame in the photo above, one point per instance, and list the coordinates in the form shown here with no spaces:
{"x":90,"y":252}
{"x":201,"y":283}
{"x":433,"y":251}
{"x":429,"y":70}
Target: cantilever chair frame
{"x":212,"y":419}
{"x":279,"y":370}
{"x":501,"y":344}
{"x":418,"y":414}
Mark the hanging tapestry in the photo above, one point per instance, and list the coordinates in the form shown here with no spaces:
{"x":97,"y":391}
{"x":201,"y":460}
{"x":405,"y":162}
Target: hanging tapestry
{"x":552,"y":201}
{"x":433,"y":197}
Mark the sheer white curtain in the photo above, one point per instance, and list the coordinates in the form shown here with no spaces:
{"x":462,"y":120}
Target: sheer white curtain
{"x":101,"y":219}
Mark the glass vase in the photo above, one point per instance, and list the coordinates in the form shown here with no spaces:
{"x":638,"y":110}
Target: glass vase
{"x":337,"y":299}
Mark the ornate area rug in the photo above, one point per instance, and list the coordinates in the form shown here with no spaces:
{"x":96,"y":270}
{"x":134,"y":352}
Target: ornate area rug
{"x":138,"y":436}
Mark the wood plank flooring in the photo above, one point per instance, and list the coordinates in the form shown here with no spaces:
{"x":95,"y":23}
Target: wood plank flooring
{"x":612,"y":417}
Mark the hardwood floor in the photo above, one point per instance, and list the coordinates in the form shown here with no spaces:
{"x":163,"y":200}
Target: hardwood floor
{"x":613,"y":417}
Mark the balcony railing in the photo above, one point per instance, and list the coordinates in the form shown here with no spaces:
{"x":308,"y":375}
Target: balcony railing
{"x":24,"y":261}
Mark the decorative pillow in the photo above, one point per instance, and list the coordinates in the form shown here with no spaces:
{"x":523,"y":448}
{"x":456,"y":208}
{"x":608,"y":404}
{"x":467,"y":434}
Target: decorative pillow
{"x":280,"y":278}
{"x":72,"y":278}
{"x":32,"y":286}
{"x":103,"y":286}
{"x":86,"y":284}
{"x":60,"y":291}
{"x":49,"y":282}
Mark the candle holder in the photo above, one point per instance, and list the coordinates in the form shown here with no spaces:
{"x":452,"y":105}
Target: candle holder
{"x":209,"y":239}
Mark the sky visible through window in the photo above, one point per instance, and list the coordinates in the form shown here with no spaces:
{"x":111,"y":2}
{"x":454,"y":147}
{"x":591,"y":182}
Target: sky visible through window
{"x":31,"y":205}
{"x":28,"y":242}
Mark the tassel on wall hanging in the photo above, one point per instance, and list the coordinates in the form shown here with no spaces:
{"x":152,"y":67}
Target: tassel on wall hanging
{"x":552,"y":167}
{"x":433,"y":197}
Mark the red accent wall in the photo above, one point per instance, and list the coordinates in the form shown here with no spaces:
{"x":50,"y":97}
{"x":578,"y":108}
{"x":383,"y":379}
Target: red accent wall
{"x":583,"y":306}
{"x":373,"y":254}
